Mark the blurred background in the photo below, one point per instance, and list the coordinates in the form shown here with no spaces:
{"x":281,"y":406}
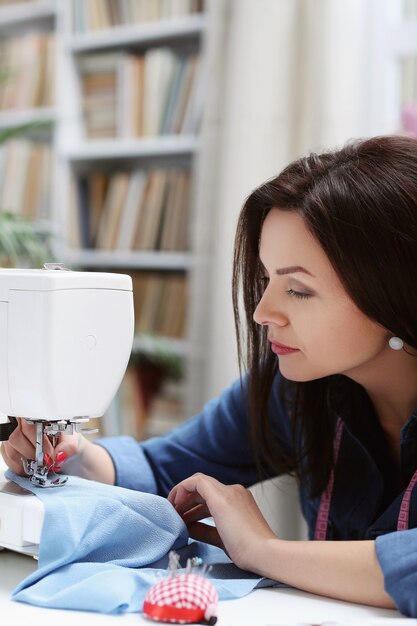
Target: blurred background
{"x":131,"y":132}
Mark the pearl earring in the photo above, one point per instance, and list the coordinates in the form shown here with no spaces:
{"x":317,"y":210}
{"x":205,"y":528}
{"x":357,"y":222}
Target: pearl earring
{"x":396,"y":343}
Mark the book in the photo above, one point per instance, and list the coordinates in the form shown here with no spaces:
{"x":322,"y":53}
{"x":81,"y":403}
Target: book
{"x":160,"y":64}
{"x":184,"y":92}
{"x":148,"y":223}
{"x":45,"y":205}
{"x":148,"y":303}
{"x":194,"y":109}
{"x":161,"y":304}
{"x":132,"y":95}
{"x":172,"y":321}
{"x":112,"y":211}
{"x":137,"y":210}
{"x":172,"y":96}
{"x":124,"y":102}
{"x":182,"y":239}
{"x":137,"y":98}
{"x":131,"y":211}
{"x":27,"y":71}
{"x":83,"y":212}
{"x":167,"y":220}
{"x":73,"y":229}
{"x":97,"y":192}
{"x":14,"y":175}
{"x":174,"y":230}
{"x":31,"y":191}
{"x":98,"y":78}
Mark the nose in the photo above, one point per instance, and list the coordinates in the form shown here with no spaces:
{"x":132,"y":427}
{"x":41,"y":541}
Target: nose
{"x":268,"y":312}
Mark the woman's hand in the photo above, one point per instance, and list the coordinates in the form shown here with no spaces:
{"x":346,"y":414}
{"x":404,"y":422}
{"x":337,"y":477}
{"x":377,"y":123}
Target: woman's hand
{"x":21,"y":444}
{"x":241,"y":529}
{"x":75,"y":453}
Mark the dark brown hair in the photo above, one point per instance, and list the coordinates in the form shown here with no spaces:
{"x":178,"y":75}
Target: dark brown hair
{"x":360,"y":203}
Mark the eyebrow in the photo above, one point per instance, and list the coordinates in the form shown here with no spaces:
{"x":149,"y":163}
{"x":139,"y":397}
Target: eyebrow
{"x":292,"y":269}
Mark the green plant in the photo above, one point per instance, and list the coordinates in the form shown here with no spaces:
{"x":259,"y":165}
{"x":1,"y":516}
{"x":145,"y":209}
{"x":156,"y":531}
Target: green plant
{"x":154,"y":362}
{"x":151,"y":350}
{"x":30,"y":128}
{"x":21,"y":244}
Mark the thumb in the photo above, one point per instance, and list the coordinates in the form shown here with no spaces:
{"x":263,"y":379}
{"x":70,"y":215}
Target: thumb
{"x":68,"y":446}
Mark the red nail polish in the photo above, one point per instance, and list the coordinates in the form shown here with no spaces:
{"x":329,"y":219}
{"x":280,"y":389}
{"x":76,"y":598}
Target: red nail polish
{"x":60,"y":457}
{"x":56,"y":468}
{"x":47,"y":459}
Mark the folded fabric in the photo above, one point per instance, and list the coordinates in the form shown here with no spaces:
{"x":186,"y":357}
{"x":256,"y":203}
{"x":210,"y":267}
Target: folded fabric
{"x":102,"y":547}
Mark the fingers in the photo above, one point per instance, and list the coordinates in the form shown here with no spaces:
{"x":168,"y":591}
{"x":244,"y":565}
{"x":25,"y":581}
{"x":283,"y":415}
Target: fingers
{"x":205,"y":533}
{"x":23,"y":439}
{"x":18,"y":445}
{"x":239,"y":524}
{"x":22,"y":442}
{"x":192,"y":491}
{"x":68,"y":446}
{"x":195,"y":514}
{"x":187,"y":501}
{"x":15,"y":465}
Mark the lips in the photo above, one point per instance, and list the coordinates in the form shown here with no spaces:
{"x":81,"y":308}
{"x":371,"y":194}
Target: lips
{"x":281,"y":349}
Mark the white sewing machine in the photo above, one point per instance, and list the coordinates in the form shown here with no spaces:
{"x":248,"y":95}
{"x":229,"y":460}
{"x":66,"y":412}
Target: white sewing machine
{"x":65,"y":341}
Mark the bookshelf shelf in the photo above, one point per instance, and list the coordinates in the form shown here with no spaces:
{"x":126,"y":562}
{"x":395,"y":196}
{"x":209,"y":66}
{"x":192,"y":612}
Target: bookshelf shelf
{"x":10,"y":119}
{"x":37,"y":15}
{"x":111,"y":149}
{"x":163,"y":261}
{"x":132,"y":36}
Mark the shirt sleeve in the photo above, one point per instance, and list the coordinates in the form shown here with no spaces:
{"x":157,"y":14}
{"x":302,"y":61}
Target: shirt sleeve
{"x":397,"y":556}
{"x":215,"y":442}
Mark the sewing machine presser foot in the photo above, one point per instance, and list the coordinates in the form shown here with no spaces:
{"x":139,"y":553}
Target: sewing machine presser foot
{"x":39,"y":472}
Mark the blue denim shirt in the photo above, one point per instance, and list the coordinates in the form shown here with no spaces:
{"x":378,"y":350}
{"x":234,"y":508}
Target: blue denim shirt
{"x":367,"y":490}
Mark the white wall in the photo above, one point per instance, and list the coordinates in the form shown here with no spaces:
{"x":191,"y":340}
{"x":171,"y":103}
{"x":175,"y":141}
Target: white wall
{"x":303,"y":89}
{"x":251,"y":148}
{"x":297,"y":79}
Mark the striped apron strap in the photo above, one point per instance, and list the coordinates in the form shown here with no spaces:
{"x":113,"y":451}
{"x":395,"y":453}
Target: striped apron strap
{"x":322,"y":521}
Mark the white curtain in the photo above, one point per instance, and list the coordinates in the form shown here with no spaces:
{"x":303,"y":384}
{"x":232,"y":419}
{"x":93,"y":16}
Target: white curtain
{"x":284,"y":77}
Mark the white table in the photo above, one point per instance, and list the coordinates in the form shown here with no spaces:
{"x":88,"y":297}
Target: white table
{"x":260,"y":608}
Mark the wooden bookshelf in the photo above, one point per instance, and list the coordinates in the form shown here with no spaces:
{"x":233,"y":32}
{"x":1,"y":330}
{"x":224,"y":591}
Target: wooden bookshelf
{"x":27,"y":93}
{"x":161,"y":265}
{"x":20,"y":17}
{"x":159,"y":147}
{"x":180,"y":30}
{"x":40,"y":115}
{"x":83,"y":156}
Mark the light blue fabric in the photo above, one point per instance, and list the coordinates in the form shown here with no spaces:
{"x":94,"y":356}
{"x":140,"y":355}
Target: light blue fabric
{"x":102,"y":547}
{"x":396,"y":554}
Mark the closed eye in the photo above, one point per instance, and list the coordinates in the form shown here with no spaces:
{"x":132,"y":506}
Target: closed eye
{"x":298,"y":294}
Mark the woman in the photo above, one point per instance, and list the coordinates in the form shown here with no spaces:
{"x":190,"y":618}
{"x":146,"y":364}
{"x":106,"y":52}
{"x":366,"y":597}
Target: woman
{"x":325,"y":260}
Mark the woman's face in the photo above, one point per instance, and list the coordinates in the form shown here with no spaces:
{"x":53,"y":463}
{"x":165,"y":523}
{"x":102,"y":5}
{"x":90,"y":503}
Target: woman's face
{"x":314,"y":327}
